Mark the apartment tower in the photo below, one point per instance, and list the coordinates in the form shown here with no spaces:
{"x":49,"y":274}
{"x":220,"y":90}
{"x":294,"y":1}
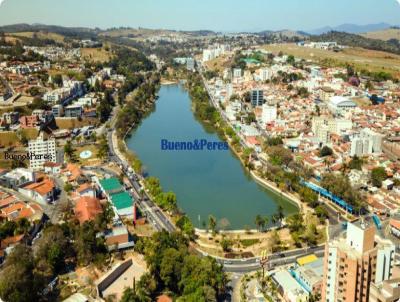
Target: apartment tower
{"x":353,"y":263}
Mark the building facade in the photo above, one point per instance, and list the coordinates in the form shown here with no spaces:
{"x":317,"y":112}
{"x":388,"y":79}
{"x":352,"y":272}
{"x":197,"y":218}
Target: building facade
{"x":41,"y":151}
{"x":354,"y":263}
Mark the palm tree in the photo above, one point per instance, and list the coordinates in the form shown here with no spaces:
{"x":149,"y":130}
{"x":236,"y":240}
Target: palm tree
{"x":265,"y":221}
{"x":259,"y":221}
{"x":212,"y":223}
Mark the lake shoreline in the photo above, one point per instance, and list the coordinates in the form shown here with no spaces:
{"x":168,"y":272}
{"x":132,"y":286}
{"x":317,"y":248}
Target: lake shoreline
{"x":250,"y":206}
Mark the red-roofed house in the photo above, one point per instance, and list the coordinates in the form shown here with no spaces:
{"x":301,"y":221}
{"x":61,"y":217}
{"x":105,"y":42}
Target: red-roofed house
{"x":395,"y":227}
{"x":41,"y":192}
{"x":86,"y":189}
{"x":87,"y":208}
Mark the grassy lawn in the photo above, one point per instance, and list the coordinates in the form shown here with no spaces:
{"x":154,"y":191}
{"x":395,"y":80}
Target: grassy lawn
{"x":362,"y":59}
{"x":249,"y":242}
{"x":88,"y":161}
{"x":95,"y":54}
{"x":71,"y":123}
{"x":218,"y":64}
{"x":9,"y":139}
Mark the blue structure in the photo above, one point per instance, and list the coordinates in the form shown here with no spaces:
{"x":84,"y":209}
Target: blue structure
{"x":300,"y":281}
{"x":377,"y":222}
{"x":340,"y":202}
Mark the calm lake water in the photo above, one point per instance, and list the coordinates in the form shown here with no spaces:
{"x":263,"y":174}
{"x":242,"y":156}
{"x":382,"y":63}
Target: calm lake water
{"x":205,"y":182}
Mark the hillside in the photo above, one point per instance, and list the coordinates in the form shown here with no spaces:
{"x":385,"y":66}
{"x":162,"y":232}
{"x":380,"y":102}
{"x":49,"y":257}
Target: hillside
{"x":362,"y":59}
{"x":385,"y":35}
{"x":354,"y":40}
{"x":350,"y":28}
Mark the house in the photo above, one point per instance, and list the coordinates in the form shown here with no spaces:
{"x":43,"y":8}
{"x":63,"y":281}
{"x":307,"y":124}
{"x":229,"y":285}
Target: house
{"x":77,"y":297}
{"x":42,"y":192}
{"x":164,"y":298}
{"x":18,"y":209}
{"x":73,"y":111}
{"x":16,"y":178}
{"x":118,"y":238}
{"x":395,"y":227}
{"x":288,"y":287}
{"x":29,"y":121}
{"x":86,"y":189}
{"x":87,"y":208}
{"x":8,"y":243}
{"x":52,"y":168}
{"x":73,"y":173}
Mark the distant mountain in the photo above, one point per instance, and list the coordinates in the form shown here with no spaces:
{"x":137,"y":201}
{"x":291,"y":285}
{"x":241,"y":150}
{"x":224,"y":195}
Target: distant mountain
{"x":81,"y":32}
{"x":286,"y":33}
{"x":351,"y":28}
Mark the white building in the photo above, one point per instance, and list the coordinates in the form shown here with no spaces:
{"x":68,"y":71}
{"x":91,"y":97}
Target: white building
{"x":322,"y":127}
{"x":269,"y":114}
{"x":367,"y":143}
{"x":237,"y":73}
{"x":190,"y":64}
{"x":265,"y":74}
{"x":208,"y":54}
{"x":227,"y":74}
{"x":41,"y":151}
{"x":233,"y":109}
{"x":339,"y":104}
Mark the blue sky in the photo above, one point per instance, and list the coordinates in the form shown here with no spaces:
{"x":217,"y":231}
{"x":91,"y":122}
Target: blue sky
{"x":220,"y":15}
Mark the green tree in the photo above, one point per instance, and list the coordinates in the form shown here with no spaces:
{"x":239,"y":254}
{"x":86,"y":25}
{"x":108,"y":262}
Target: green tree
{"x":212,"y":223}
{"x":17,"y":280}
{"x":53,"y":248}
{"x":290,"y":60}
{"x":226,"y":244}
{"x":308,"y":196}
{"x":356,"y":163}
{"x":378,"y":175}
{"x":68,"y":149}
{"x":57,"y":80}
{"x":325,"y":151}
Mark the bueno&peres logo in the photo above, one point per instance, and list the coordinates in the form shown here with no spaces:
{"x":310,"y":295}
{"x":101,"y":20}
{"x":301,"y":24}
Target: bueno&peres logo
{"x":195,"y":145}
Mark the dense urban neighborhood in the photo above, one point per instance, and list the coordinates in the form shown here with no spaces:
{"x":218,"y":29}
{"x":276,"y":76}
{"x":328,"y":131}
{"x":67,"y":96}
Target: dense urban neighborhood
{"x":162,"y":165}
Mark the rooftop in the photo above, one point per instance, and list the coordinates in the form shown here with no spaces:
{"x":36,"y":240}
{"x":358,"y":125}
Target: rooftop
{"x":122,"y":200}
{"x":110,"y":184}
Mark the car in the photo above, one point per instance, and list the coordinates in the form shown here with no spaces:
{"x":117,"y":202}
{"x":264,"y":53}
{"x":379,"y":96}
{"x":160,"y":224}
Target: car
{"x":282,"y":255}
{"x":227,"y":262}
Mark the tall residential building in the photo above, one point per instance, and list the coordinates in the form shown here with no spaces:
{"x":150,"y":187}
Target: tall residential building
{"x":353,"y":263}
{"x":208,"y":54}
{"x":227,"y":74}
{"x":368,"y":142}
{"x":269,"y":114}
{"x":375,"y":139}
{"x":257,"y":97}
{"x":387,"y":290}
{"x":237,"y":73}
{"x":265,"y":74}
{"x":41,"y":151}
{"x":190,"y":64}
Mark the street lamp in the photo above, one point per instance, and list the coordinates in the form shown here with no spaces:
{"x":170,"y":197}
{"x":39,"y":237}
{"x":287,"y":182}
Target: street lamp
{"x":263,"y":262}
